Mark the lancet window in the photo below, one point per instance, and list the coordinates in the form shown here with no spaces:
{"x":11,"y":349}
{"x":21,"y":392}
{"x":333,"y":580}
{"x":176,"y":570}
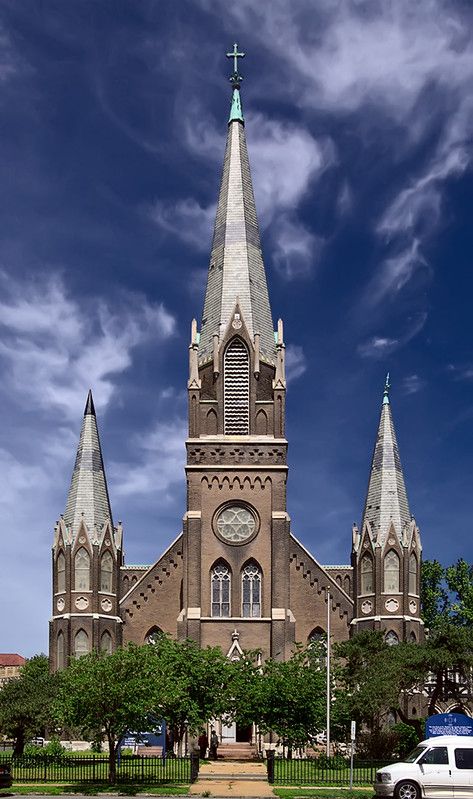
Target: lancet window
{"x":82,"y":570}
{"x":81,"y":644}
{"x":106,"y":571}
{"x":366,"y":574}
{"x":391,"y":572}
{"x":61,"y":572}
{"x":412,"y":574}
{"x":391,"y":638}
{"x":60,"y":651}
{"x":251,"y":591}
{"x":236,"y":379}
{"x":106,"y":642}
{"x":220,"y":588}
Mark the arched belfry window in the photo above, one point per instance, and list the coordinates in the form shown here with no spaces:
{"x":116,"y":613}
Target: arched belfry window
{"x":60,"y":651}
{"x":366,"y":571}
{"x":220,"y":588}
{"x":61,"y":572}
{"x":251,"y":591}
{"x":236,"y":381}
{"x":82,"y":570}
{"x":106,"y":570}
{"x":412,"y":574}
{"x":81,"y":644}
{"x":391,"y":572}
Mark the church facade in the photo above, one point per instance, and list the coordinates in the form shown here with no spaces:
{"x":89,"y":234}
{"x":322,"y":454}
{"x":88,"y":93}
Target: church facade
{"x":236,"y":577}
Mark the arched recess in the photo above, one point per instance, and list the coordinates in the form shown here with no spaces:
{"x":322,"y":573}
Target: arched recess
{"x":317,"y":636}
{"x":391,"y":638}
{"x":220,"y":587}
{"x":106,"y":642}
{"x":366,"y":572}
{"x":82,"y":570}
{"x":391,"y":572}
{"x":236,"y":388}
{"x":251,"y":579}
{"x":413,"y":573}
{"x":60,"y":651}
{"x":153,"y":635}
{"x":347,"y":584}
{"x":61,"y":572}
{"x":338,"y":580}
{"x":106,"y":571}
{"x":81,"y":644}
{"x":211,"y":423}
{"x":261,"y":423}
{"x":413,"y":637}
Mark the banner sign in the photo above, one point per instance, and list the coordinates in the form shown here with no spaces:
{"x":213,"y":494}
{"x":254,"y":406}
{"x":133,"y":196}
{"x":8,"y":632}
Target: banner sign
{"x":448,"y":724}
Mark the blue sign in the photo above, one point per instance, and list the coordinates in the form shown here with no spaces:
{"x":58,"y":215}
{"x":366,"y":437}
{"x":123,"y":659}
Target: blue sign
{"x":448,"y":724}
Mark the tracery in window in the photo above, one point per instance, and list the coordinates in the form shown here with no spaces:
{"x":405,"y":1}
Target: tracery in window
{"x":236,"y":381}
{"x":106,"y":571}
{"x":251,"y":591}
{"x":106,"y":642}
{"x":366,"y":574}
{"x":412,"y":574}
{"x":220,"y":590}
{"x":391,"y":638}
{"x":60,"y":651}
{"x":61,"y":572}
{"x":153,"y":635}
{"x":81,"y":644}
{"x":391,"y":572}
{"x":82,"y":570}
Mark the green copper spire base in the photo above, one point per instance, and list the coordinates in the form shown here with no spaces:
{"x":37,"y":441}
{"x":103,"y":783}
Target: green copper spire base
{"x":387,"y":386}
{"x":236,"y":113}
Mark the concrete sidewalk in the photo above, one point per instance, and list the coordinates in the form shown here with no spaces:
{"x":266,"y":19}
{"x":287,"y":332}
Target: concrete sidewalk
{"x":230,"y":778}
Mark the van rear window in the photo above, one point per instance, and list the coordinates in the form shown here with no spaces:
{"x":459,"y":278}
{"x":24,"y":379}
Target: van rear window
{"x":464,"y":758}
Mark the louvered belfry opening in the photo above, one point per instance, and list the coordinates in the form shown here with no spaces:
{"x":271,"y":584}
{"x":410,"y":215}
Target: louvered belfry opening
{"x":237,"y":389}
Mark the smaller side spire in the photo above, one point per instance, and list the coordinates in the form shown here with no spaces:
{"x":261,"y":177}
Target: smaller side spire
{"x":387,"y":386}
{"x":89,"y":405}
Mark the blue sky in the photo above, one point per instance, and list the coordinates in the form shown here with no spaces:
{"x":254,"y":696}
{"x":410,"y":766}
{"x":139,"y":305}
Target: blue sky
{"x":359,"y":118}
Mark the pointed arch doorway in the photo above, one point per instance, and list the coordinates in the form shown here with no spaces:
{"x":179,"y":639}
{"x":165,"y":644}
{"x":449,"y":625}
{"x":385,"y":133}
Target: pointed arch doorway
{"x":231,"y":732}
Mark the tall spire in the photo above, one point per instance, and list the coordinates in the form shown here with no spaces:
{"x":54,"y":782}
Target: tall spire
{"x":88,"y":499}
{"x":236,"y":271}
{"x":386,"y":500}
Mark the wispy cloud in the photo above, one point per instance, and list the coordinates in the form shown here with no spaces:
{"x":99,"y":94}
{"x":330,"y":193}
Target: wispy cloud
{"x":295,"y":249}
{"x":411,"y":384}
{"x":187,"y":220}
{"x":393,"y":274}
{"x":379,"y":346}
{"x":296,"y":363}
{"x":53,"y":348}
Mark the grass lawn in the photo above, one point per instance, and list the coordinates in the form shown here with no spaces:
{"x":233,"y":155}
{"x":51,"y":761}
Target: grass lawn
{"x":323,"y":793}
{"x":94,"y":790}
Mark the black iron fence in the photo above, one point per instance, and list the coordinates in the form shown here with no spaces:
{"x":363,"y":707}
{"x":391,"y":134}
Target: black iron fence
{"x":94,"y":769}
{"x":321,"y":771}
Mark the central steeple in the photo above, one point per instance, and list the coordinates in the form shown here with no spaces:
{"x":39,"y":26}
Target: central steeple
{"x":236,"y":270}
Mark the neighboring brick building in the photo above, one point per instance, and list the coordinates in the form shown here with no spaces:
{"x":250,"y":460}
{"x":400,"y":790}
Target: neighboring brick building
{"x":236,"y":576}
{"x":10,"y":666}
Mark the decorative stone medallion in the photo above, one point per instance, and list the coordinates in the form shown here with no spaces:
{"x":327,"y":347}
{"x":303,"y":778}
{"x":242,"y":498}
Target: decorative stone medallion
{"x":412,"y":606}
{"x":82,"y":539}
{"x":391,"y":542}
{"x":235,"y":524}
{"x":82,"y":603}
{"x":106,"y":605}
{"x":391,"y":605}
{"x":107,"y":542}
{"x":236,"y":323}
{"x":366,"y":545}
{"x":60,"y":604}
{"x":367,"y":607}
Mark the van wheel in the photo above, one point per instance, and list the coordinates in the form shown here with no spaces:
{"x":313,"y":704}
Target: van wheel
{"x":407,"y":790}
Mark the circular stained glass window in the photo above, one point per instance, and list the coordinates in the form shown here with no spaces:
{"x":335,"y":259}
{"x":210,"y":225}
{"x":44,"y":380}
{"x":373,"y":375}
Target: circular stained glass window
{"x":236,"y":524}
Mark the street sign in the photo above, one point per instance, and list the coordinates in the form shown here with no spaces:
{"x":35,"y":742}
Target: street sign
{"x":353,"y":730}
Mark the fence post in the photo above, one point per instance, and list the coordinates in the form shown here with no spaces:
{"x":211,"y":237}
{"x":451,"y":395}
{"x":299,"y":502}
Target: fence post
{"x":194,"y":766}
{"x":270,"y":765}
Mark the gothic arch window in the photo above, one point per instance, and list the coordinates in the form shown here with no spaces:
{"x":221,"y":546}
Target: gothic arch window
{"x":366,"y":571}
{"x":82,"y":570}
{"x":261,"y":423}
{"x":413,"y":638}
{"x":391,"y":638}
{"x":317,"y":636}
{"x":60,"y":651}
{"x":106,"y":571}
{"x":81,"y":644}
{"x":251,"y":591}
{"x":236,"y":381}
{"x":391,"y":572}
{"x":106,"y":642}
{"x":212,"y":423}
{"x":61,"y":572}
{"x":346,"y":584}
{"x":220,"y":590}
{"x":412,"y":574}
{"x":153,"y":635}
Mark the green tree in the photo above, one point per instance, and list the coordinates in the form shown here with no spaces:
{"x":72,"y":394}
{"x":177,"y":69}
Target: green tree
{"x":459,"y":578}
{"x":433,"y":594}
{"x":114,"y":693}
{"x":26,"y":702}
{"x":447,"y":656}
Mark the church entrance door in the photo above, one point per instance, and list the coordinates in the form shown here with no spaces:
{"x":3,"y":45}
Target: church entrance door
{"x":229,"y":733}
{"x":243,"y":734}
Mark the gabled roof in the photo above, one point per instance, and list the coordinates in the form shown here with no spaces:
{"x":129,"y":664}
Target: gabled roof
{"x":236,"y":270}
{"x":88,"y":499}
{"x":386,"y":499}
{"x":12,"y":660}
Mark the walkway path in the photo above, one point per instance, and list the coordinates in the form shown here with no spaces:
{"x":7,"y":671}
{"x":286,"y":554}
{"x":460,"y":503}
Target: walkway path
{"x":232,"y":778}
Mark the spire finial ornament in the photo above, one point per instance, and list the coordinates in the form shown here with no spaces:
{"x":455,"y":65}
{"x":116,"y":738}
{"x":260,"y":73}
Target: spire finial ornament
{"x":387,"y":386}
{"x":235,"y":78}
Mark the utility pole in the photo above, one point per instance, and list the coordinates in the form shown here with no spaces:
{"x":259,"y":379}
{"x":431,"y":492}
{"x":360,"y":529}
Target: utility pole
{"x":328,"y":673}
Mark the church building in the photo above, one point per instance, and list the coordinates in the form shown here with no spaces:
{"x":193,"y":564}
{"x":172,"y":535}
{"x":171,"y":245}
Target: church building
{"x":237,"y":576}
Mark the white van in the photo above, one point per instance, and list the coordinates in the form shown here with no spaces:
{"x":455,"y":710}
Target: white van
{"x":438,"y":767}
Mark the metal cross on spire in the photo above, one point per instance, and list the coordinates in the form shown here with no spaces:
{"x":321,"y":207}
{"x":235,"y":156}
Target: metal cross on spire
{"x":387,"y":386}
{"x":235,"y":79}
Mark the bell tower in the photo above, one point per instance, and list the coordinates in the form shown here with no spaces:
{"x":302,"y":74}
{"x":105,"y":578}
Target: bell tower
{"x":236,"y":528}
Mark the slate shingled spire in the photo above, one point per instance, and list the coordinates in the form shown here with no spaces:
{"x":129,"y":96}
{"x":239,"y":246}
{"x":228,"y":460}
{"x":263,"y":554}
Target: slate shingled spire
{"x":88,"y":494}
{"x":236,"y":270}
{"x":386,"y":500}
